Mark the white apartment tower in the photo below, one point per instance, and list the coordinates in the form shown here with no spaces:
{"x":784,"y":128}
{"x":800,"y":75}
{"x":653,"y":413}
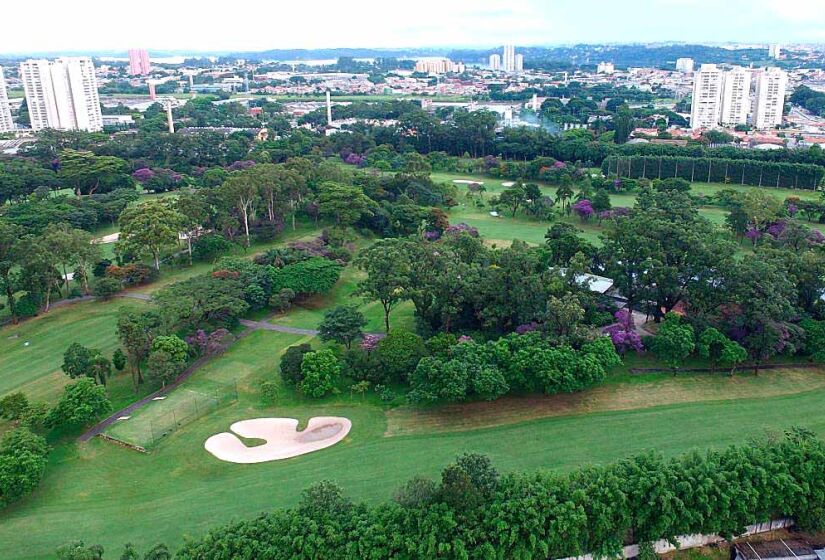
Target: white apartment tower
{"x":519,"y":63}
{"x":775,"y":51}
{"x":6,"y":124}
{"x":684,"y":65}
{"x":62,"y":94}
{"x":706,"y":108}
{"x":770,"y":98}
{"x":736,"y":90}
{"x":509,"y":58}
{"x":605,"y":68}
{"x":495,"y":62}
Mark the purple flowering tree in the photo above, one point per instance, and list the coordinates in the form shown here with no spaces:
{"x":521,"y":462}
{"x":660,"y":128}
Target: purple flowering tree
{"x":458,"y":229}
{"x":623,"y":333}
{"x":370,"y":342}
{"x":241,"y":165}
{"x":143,"y":175}
{"x":527,"y":327}
{"x":753,"y":234}
{"x":584,"y":210}
{"x":776,"y":228}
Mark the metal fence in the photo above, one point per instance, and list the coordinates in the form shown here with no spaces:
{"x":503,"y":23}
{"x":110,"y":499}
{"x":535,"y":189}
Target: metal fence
{"x":188,"y":406}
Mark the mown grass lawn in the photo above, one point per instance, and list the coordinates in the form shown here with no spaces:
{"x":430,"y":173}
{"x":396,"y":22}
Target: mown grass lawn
{"x":105,"y":494}
{"x":309,"y":313}
{"x":35,"y":369}
{"x":505,"y":227}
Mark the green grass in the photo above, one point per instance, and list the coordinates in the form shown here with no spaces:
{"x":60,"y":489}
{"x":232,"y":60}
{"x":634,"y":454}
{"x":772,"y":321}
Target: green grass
{"x":240,"y":370}
{"x":309,"y":313}
{"x":35,"y":369}
{"x":504,"y":228}
{"x":102,"y":493}
{"x":105,"y":494}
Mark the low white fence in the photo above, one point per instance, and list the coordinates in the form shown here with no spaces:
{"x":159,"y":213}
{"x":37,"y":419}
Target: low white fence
{"x":693,"y":541}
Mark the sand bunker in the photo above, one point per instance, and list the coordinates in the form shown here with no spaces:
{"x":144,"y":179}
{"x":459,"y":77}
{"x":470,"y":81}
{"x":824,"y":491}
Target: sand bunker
{"x":466,"y":182}
{"x":283,"y":440}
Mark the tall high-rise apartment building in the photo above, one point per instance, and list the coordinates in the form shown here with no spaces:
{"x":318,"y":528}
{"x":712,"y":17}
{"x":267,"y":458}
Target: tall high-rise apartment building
{"x":495,"y":62}
{"x":684,"y":65}
{"x":770,"y":98}
{"x":508,"y":59}
{"x":706,"y":108}
{"x":736,"y":97}
{"x":775,"y":51}
{"x":6,"y":124}
{"x":138,"y":62}
{"x":519,"y":64}
{"x":62,"y":94}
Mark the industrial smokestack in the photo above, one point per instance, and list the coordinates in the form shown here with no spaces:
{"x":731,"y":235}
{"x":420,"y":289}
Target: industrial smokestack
{"x":169,"y":117}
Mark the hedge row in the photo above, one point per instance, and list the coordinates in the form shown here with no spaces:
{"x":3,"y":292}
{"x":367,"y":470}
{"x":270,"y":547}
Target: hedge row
{"x":717,"y":170}
{"x":473,"y":514}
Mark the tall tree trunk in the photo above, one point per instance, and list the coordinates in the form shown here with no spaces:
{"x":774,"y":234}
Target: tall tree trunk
{"x":246,"y":226}
{"x":386,"y":316}
{"x":66,"y":280}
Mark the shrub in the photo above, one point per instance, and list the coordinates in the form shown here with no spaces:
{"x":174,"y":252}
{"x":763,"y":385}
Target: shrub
{"x":13,"y":406}
{"x":28,"y":305}
{"x":119,"y":359}
{"x":398,"y":353}
{"x":320,"y":371}
{"x":133,"y":274}
{"x":22,"y":464}
{"x":270,"y":391}
{"x":209,"y":247}
{"x":82,"y":402}
{"x":291,"y":363}
{"x":106,"y":287}
{"x":99,"y":269}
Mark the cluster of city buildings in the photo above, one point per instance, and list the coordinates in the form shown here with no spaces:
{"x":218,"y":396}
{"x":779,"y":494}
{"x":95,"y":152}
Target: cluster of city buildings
{"x":439,"y":66}
{"x":508,"y":61}
{"x":738,"y":96}
{"x":63,"y":93}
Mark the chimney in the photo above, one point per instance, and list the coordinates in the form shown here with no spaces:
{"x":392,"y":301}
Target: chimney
{"x":169,"y":117}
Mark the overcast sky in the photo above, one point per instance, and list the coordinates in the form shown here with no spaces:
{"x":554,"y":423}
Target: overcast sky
{"x":199,"y":25}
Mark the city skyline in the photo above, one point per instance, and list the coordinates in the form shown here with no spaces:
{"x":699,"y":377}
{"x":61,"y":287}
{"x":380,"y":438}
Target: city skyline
{"x":461,"y":24}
